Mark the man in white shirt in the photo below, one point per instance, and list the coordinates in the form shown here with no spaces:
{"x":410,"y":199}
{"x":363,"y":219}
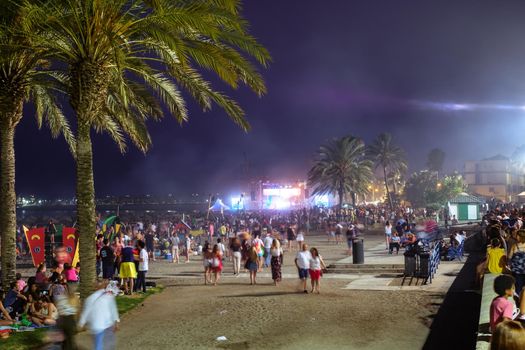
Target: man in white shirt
{"x":143,"y":267}
{"x":302,"y":262}
{"x":100,"y":314}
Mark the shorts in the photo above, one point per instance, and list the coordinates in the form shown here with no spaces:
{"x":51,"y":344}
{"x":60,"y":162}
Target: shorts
{"x":303,"y":273}
{"x":315,"y":275}
{"x":127,"y":270}
{"x":252,"y":266}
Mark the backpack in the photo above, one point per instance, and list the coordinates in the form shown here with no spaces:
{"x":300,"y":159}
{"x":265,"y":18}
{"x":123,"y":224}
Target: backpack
{"x":517,"y":263}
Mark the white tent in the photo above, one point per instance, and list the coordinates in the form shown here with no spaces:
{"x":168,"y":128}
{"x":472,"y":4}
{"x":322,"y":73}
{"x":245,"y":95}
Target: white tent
{"x":219,"y":206}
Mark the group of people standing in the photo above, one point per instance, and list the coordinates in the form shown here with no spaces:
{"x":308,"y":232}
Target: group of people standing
{"x":254,"y":253}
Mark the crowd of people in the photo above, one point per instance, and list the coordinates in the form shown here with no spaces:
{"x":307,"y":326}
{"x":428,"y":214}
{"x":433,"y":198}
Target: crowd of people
{"x":505,"y":234}
{"x":249,"y":241}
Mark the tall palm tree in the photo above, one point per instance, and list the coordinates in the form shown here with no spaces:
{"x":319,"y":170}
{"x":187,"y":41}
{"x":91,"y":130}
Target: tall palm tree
{"x":385,"y":154}
{"x":22,"y":79}
{"x":396,"y":176}
{"x":127,"y":59}
{"x":341,"y":168}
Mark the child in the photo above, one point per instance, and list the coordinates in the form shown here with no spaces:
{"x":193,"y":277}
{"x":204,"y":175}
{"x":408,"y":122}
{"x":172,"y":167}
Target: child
{"x":316,"y":266}
{"x":501,"y":308}
{"x":21,"y":283}
{"x":496,"y":257}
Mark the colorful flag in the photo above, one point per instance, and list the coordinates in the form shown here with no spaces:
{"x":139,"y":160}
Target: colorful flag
{"x":36,"y":241}
{"x":69,"y":240}
{"x":75,"y":257}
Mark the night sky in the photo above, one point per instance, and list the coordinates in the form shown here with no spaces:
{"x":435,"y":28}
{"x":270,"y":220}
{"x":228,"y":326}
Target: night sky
{"x":339,"y":67}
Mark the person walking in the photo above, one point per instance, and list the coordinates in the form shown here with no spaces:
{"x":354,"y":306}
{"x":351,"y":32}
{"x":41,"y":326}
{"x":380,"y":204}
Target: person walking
{"x":175,"y":242}
{"x":388,"y":234}
{"x":216,"y":263}
{"x":267,"y":246}
{"x":302,"y":262}
{"x":290,"y":233}
{"x":207,"y":258}
{"x":100,"y":314}
{"x":252,"y":264}
{"x":300,"y":239}
{"x":235,"y":247}
{"x":276,"y":253}
{"x":316,"y":267}
{"x":187,"y":247}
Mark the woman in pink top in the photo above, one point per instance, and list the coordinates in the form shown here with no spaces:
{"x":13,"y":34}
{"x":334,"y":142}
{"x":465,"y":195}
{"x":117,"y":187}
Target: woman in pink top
{"x":70,"y":273}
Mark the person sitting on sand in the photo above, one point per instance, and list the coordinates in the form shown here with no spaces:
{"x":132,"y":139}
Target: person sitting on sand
{"x":5,"y":318}
{"x":14,"y":300}
{"x":44,"y":312}
{"x":40,"y":276}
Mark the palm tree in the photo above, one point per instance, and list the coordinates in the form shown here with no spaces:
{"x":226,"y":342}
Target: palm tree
{"x":385,"y":154}
{"x":341,"y":168}
{"x":127,"y":59}
{"x":395,"y":177}
{"x":435,"y":160}
{"x":22,"y":78}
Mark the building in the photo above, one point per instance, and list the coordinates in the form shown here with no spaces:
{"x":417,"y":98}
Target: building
{"x":465,"y":207}
{"x":496,"y":177}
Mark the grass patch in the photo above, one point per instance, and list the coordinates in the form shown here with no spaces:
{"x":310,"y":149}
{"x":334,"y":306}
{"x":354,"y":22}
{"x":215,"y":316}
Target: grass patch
{"x":126,"y":303}
{"x":24,"y":340}
{"x":35,"y":339}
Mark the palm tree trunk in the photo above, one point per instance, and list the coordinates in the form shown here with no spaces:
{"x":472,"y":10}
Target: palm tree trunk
{"x":387,"y":190}
{"x":8,"y":202}
{"x":89,"y":82}
{"x":86,"y":210}
{"x":341,"y":194}
{"x":394,"y":185}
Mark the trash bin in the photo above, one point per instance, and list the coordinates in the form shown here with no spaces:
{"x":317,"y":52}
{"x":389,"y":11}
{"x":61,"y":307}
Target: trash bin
{"x":410,"y":264}
{"x":358,"y":251}
{"x":424,"y":265}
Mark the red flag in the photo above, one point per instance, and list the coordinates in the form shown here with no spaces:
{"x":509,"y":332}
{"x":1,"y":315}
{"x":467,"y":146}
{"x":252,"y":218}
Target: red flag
{"x":69,"y":240}
{"x":35,"y":239}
